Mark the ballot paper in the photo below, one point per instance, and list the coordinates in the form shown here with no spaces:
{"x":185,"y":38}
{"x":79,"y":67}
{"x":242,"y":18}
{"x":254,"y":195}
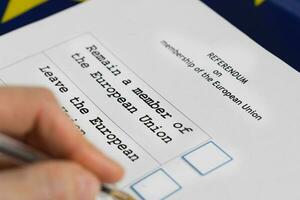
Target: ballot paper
{"x":189,"y":105}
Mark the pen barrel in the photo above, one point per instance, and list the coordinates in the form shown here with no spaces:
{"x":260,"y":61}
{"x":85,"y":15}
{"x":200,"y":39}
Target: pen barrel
{"x":18,"y":150}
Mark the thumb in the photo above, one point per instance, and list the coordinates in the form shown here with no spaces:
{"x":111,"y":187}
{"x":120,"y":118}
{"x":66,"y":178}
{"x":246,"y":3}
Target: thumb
{"x":49,"y":181}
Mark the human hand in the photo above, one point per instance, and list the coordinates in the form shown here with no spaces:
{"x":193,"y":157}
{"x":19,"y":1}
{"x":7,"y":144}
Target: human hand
{"x":34,"y":116}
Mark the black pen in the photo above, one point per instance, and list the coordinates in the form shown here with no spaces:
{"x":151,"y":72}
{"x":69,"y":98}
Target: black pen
{"x":17,"y":150}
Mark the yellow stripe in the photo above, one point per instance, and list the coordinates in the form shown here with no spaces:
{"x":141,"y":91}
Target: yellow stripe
{"x":16,"y":8}
{"x":258,"y":2}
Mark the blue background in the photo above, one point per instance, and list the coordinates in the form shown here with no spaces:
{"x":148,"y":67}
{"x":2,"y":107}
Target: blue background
{"x":275,"y":24}
{"x":37,"y":13}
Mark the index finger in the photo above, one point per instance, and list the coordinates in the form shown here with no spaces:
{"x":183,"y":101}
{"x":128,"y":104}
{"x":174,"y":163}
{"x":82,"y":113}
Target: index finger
{"x":33,"y":115}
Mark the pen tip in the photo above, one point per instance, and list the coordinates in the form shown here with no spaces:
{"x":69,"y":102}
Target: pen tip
{"x":118,"y":195}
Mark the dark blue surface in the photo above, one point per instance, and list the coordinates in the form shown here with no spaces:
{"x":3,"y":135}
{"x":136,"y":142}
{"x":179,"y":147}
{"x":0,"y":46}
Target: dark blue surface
{"x":37,"y":13}
{"x":275,"y":24}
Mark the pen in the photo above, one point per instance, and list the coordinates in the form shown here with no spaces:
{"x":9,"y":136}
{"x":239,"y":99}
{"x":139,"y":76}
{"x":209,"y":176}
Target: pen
{"x":17,"y":150}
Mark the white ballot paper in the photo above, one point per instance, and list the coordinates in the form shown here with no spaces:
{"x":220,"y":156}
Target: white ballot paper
{"x":190,"y":106}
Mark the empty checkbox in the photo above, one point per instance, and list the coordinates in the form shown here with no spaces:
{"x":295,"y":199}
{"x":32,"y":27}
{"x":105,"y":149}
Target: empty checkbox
{"x":157,"y":186}
{"x":207,"y":158}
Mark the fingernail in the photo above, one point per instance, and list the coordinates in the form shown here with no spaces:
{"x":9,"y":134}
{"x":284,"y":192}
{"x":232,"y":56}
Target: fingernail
{"x":88,"y":187}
